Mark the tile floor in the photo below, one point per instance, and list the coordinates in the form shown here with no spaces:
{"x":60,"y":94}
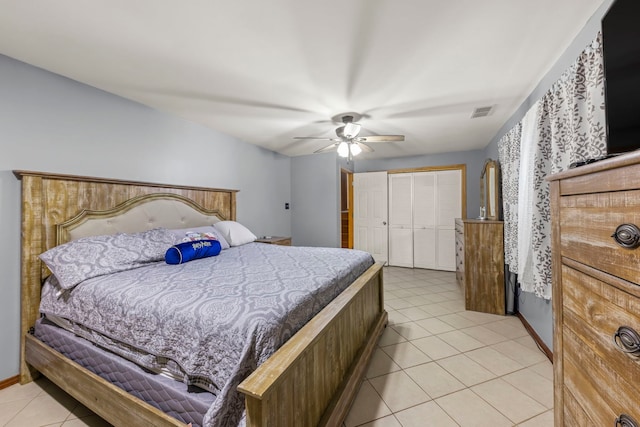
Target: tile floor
{"x":436,"y":365}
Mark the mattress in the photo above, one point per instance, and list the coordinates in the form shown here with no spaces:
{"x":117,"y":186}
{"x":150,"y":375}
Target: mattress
{"x":216,"y":318}
{"x":172,"y":397}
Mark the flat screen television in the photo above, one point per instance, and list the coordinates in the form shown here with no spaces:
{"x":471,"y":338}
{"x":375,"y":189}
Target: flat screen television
{"x":621,"y":49}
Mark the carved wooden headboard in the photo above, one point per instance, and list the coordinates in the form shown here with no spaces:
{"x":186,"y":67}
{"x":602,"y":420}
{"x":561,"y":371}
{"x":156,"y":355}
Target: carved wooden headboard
{"x":52,"y":199}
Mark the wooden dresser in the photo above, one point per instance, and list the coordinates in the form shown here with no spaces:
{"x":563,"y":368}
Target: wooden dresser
{"x":596,"y":297}
{"x":480,"y":264}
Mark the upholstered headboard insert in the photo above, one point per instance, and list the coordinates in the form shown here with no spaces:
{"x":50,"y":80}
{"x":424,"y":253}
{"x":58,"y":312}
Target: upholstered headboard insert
{"x":137,"y":214}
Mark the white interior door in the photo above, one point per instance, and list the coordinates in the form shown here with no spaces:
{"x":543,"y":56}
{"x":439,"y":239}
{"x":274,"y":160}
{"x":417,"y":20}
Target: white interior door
{"x":401,"y":220}
{"x":449,"y":207}
{"x":370,"y":228}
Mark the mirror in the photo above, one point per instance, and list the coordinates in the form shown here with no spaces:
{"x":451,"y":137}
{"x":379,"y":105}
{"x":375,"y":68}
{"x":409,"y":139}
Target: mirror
{"x":490,"y":190}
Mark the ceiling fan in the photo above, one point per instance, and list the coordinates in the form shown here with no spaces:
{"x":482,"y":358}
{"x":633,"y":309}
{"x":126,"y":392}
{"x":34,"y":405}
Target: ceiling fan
{"x":348,"y":143}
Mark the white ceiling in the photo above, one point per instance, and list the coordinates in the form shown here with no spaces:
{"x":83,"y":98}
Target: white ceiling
{"x":265,"y":71}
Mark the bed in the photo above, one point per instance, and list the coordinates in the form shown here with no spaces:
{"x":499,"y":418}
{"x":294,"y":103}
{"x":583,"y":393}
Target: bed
{"x":310,"y":380}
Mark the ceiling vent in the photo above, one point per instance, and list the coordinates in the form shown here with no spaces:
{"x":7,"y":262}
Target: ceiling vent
{"x":481,"y":112}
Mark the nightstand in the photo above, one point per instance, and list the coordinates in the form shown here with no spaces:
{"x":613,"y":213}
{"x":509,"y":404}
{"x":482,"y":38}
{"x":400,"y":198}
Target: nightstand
{"x":275,"y":240}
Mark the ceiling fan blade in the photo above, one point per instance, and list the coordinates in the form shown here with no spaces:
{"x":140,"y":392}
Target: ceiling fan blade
{"x":313,"y":137}
{"x":326,"y":149}
{"x":365,"y":147}
{"x":380,"y":138}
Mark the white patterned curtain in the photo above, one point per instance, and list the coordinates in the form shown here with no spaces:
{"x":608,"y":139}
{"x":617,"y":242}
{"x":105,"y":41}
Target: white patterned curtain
{"x":509,"y":158}
{"x":570,"y":127}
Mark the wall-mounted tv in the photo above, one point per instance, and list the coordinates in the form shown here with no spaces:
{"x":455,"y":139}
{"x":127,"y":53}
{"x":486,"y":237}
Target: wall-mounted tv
{"x":621,"y":49}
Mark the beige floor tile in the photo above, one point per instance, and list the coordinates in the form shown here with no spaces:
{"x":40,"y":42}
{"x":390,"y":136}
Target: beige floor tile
{"x":434,"y":347}
{"x":527,"y":341}
{"x":494,"y":361}
{"x":543,"y":368}
{"x":466,"y":370}
{"x":438,"y":297}
{"x":406,"y":355}
{"x":11,"y":408}
{"x":396,"y":318}
{"x":389,"y":337}
{"x":451,"y":295}
{"x":388,"y":421}
{"x":457,"y":321}
{"x":19,"y":392}
{"x":404,"y":293}
{"x":42,"y":410}
{"x":435,"y":325}
{"x":460,"y":341}
{"x":90,"y":421}
{"x":484,"y":335}
{"x":507,"y":399}
{"x":533,"y":385}
{"x":507,"y":328}
{"x":367,"y":406}
{"x":414,"y":313}
{"x":468,"y":409}
{"x":425,"y":414}
{"x":479,"y":318}
{"x":521,"y":354}
{"x":456,"y":306}
{"x":434,"y":380}
{"x":381,"y":364}
{"x":411,"y":330}
{"x":399,"y":391}
{"x":399,"y":303}
{"x":542,"y":420}
{"x":80,"y":411}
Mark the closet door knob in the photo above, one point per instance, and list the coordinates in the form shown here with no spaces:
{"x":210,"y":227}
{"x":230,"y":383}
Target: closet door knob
{"x":625,"y":420}
{"x":627,"y":340}
{"x":384,"y":222}
{"x":627,"y":236}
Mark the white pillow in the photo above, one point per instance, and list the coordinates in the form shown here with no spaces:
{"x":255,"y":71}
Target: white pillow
{"x":235,"y":233}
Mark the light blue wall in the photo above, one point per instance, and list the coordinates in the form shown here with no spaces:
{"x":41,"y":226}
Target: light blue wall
{"x":537,"y":311}
{"x":315,"y":195}
{"x":473,"y":159}
{"x":52,"y":124}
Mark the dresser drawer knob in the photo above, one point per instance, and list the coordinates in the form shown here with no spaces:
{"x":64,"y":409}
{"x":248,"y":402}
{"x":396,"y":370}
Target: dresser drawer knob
{"x":627,"y":340}
{"x":627,"y":236}
{"x":625,"y":420}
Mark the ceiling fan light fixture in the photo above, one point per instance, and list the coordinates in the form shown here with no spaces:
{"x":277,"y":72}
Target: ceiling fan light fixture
{"x":355,"y":148}
{"x":343,"y":149}
{"x":351,"y":130}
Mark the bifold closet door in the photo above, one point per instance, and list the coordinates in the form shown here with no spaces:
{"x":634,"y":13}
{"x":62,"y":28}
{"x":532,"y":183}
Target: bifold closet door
{"x":424,"y":220}
{"x":400,"y":220}
{"x":448,"y":208}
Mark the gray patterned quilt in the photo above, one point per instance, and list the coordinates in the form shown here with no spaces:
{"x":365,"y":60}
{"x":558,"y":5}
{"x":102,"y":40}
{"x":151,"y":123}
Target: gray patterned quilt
{"x":216,"y":318}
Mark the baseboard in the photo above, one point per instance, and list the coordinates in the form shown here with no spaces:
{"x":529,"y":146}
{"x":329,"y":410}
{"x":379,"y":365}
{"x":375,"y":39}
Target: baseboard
{"x":536,"y":337}
{"x":9,"y":382}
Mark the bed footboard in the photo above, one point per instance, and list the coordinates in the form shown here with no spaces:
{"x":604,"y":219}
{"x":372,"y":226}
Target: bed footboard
{"x":313,"y":379}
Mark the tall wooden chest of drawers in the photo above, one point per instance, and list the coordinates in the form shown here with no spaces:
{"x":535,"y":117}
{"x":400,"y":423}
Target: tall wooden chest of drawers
{"x":480,"y":264}
{"x":596,"y":294}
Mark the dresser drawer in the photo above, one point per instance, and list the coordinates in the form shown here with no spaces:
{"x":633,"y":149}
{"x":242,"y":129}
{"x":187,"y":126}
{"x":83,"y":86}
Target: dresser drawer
{"x":587,"y":223}
{"x":601,"y":377}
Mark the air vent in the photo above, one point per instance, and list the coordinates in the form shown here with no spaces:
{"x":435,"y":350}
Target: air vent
{"x":481,"y":112}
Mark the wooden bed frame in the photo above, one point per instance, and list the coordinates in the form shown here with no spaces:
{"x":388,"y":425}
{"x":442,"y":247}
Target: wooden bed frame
{"x":313,"y":378}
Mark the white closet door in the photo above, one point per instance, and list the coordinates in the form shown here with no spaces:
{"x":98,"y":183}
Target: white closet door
{"x":400,"y":220}
{"x":370,"y":232}
{"x":424,"y":220}
{"x":449,"y":207}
